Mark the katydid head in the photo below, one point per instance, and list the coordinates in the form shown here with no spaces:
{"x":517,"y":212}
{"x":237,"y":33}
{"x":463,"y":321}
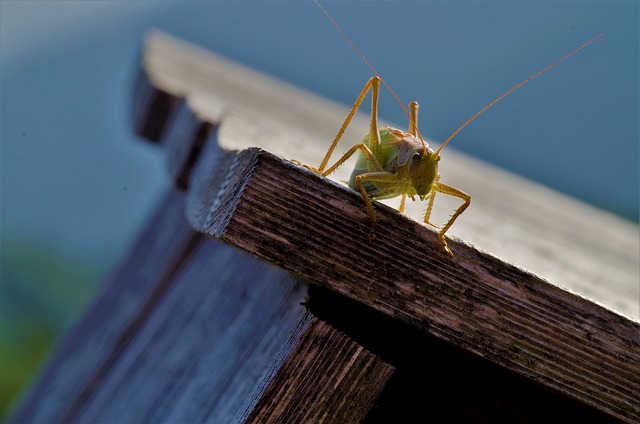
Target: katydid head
{"x":423,"y":170}
{"x":420,"y":162}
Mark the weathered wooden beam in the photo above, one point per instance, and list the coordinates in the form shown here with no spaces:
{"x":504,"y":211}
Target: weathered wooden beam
{"x":91,"y":348}
{"x":317,"y":229}
{"x":327,"y":377}
{"x":205,"y":351}
{"x":435,"y":381}
{"x":588,"y":251}
{"x":188,"y":329}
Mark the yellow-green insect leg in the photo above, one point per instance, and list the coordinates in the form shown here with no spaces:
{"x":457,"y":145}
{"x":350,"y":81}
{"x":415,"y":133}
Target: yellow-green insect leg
{"x":451,"y":191}
{"x":382,"y":180}
{"x":374,"y":133}
{"x":403,"y":199}
{"x":373,"y":162}
{"x":374,"y":85}
{"x":427,"y":215}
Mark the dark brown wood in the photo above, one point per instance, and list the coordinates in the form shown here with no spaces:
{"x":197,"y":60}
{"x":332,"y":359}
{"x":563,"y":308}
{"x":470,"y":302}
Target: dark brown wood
{"x":318,"y":229}
{"x":437,"y":382}
{"x":163,"y":118}
{"x":588,"y":251}
{"x":326,"y":378}
{"x":479,"y":303}
{"x":189,"y":329}
{"x":153,"y":110}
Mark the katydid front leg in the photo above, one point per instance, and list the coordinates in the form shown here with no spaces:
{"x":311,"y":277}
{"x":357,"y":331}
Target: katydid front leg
{"x":384,"y":181}
{"x":451,"y":191}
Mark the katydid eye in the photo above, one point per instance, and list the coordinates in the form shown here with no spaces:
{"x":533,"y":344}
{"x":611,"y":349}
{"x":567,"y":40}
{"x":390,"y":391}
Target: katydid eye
{"x":416,"y":157}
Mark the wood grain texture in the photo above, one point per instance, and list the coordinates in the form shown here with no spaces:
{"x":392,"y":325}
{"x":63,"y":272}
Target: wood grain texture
{"x":437,"y":382}
{"x":565,"y":241}
{"x":187,"y":329}
{"x":318,"y":230}
{"x":327,"y":378}
{"x":208,"y":348}
{"x":87,"y":353}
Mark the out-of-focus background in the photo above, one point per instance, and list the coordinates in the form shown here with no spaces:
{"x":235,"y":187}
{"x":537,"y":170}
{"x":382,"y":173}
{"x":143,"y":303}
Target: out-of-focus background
{"x":77,"y":186}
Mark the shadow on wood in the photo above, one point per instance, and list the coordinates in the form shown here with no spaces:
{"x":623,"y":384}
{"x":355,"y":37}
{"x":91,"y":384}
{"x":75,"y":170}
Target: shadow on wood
{"x":297,"y":317}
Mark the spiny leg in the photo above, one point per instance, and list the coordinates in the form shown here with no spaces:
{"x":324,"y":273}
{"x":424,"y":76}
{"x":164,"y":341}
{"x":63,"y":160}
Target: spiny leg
{"x":373,"y":162}
{"x":383,"y":181}
{"x":451,"y":191}
{"x":427,"y":215}
{"x":374,"y":85}
{"x":432,"y":197}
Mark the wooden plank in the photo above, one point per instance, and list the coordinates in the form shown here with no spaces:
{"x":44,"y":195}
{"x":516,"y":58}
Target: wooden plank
{"x":153,"y":110}
{"x":317,"y":229}
{"x":584,"y":249}
{"x":437,"y":382}
{"x":85,"y":356}
{"x":163,"y":118}
{"x":188,"y":329}
{"x":326,"y":378}
{"x":209,"y":347}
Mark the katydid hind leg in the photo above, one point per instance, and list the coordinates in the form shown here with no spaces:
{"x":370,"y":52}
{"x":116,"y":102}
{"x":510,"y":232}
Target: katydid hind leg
{"x":374,"y":85}
{"x":374,"y":164}
{"x":374,"y":133}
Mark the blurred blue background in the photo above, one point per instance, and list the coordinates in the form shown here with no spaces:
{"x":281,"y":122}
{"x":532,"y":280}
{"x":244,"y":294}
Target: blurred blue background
{"x":77,"y":185}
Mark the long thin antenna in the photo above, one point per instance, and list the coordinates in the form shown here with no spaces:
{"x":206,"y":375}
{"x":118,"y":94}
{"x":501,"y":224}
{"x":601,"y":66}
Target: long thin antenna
{"x":514,"y":88}
{"x":364,"y":59}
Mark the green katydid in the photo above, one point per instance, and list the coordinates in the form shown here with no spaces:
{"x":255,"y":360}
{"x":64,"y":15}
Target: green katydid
{"x":392,"y":162}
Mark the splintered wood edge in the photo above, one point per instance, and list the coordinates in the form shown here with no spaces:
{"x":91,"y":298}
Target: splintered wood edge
{"x":317,"y":230}
{"x":342,"y":377}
